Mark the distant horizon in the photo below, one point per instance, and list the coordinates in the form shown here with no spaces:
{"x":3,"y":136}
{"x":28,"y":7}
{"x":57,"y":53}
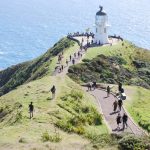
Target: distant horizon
{"x":28,"y":29}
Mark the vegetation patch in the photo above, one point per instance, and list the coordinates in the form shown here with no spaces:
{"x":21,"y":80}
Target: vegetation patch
{"x":78,"y":114}
{"x":46,"y":137}
{"x":110,"y":69}
{"x":138,"y":106}
{"x":134,"y":143}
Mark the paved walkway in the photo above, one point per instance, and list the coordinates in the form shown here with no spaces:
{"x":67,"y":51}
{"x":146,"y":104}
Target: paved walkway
{"x":106,"y":104}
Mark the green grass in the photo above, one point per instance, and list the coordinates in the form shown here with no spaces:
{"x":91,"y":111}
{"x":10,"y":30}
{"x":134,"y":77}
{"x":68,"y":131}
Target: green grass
{"x":46,"y":112}
{"x":127,"y":51}
{"x":77,"y":110}
{"x":138,"y":105}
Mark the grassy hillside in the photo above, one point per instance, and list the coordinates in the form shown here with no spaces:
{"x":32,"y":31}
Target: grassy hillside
{"x":58,"y":123}
{"x":138,"y":105}
{"x":32,"y":70}
{"x":50,"y":115}
{"x":109,"y":64}
{"x":72,"y":120}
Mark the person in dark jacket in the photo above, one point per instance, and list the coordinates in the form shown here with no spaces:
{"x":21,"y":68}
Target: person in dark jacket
{"x":67,"y":62}
{"x":94,"y":85}
{"x":120,"y":103}
{"x":118,"y":120}
{"x":108,"y":91}
{"x":115,"y":104}
{"x":53,"y":90}
{"x":73,"y":61}
{"x":70,"y":57}
{"x":119,"y":86}
{"x":125,"y":119}
{"x":31,"y":109}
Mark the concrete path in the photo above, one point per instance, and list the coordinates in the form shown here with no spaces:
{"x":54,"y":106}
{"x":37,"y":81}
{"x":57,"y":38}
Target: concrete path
{"x":106,"y":104}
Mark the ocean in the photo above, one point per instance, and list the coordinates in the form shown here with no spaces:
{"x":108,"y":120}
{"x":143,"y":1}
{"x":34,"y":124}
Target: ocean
{"x":29,"y":27}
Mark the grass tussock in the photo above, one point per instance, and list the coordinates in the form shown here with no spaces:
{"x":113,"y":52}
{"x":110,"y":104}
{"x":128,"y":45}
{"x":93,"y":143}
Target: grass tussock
{"x":46,"y":137}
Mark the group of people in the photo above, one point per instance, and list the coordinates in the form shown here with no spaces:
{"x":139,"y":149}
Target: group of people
{"x":119,"y":104}
{"x":92,"y":86}
{"x":116,"y":104}
{"x":75,"y":34}
{"x":72,"y":58}
{"x":122,"y":119}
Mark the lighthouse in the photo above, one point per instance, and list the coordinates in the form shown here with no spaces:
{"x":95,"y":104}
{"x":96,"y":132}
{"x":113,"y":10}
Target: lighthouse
{"x":101,"y":27}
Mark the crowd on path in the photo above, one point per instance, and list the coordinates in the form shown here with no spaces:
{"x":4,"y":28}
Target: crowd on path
{"x":77,"y":34}
{"x":117,"y":104}
{"x":72,"y":60}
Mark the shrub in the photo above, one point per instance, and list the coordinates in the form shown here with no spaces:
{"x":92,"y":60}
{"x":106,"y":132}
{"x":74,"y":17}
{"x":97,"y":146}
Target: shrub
{"x":52,"y":138}
{"x":133,"y":143}
{"x":77,"y":95}
{"x":22,"y":140}
{"x":79,"y":130}
{"x":78,"y":114}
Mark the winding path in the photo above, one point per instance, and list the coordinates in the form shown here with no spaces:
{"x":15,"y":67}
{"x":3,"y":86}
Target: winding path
{"x":106,"y":104}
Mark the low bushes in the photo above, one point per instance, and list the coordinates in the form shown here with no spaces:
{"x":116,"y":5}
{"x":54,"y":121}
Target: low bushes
{"x":134,"y":143}
{"x":51,"y":138}
{"x":110,"y":69}
{"x":78,"y":114}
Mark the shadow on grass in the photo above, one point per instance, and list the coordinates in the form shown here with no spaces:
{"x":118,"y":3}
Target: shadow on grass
{"x":49,"y":98}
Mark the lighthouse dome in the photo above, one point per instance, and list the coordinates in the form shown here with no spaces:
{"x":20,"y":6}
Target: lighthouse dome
{"x":101,"y":12}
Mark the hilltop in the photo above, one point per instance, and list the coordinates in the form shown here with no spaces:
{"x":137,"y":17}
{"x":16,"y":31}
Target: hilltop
{"x":123,"y":62}
{"x":74,"y":119}
{"x":28,"y":71}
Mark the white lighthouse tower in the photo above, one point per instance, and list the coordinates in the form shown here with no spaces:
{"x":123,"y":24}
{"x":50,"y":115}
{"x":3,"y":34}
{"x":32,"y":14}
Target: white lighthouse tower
{"x":101,"y":27}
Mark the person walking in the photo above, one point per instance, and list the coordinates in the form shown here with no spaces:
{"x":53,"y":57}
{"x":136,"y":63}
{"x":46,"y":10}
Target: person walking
{"x":108,"y":91}
{"x":53,"y":90}
{"x":125,"y":119}
{"x":115,"y":104}
{"x":73,"y":61}
{"x":120,"y":103}
{"x":78,"y":54}
{"x":89,"y":86}
{"x":119,"y":86}
{"x":31,"y":109}
{"x":118,"y":120}
{"x":62,"y":67}
{"x":94,"y":85}
{"x":67,"y":62}
{"x":70,"y":57}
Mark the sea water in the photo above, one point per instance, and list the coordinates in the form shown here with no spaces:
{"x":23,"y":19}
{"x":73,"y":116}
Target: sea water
{"x":29,"y":27}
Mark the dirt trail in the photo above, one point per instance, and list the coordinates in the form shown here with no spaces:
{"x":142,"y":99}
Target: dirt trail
{"x":106,"y":104}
